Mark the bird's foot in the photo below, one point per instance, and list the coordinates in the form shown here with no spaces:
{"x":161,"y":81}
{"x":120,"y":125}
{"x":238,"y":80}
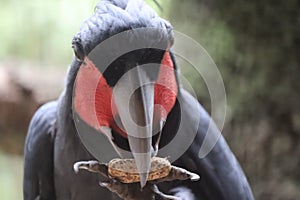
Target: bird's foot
{"x":132,"y":191}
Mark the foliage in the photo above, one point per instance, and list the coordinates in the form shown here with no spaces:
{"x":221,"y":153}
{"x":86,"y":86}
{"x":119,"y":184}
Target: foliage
{"x":10,"y":177}
{"x":256,"y":47}
{"x":41,"y":30}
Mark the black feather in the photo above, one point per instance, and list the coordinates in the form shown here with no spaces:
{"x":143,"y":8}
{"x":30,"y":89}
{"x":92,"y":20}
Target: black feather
{"x":38,"y":155}
{"x":49,"y":158}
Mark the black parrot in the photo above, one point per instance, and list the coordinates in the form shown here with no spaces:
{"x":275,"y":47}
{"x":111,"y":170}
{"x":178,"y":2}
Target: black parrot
{"x":53,"y":145}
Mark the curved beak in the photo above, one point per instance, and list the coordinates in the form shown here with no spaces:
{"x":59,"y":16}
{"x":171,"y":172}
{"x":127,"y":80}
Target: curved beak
{"x":134,"y":99}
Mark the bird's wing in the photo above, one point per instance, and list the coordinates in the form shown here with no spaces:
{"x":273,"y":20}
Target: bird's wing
{"x":221,"y":175}
{"x":38,"y":180}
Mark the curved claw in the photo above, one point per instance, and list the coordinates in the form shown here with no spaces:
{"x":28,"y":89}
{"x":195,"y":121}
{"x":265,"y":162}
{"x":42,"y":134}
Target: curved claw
{"x":178,"y":173}
{"x":91,"y":166}
{"x":78,"y":165}
{"x":194,"y":177}
{"x":161,"y":196}
{"x":87,"y":165}
{"x":182,"y":174}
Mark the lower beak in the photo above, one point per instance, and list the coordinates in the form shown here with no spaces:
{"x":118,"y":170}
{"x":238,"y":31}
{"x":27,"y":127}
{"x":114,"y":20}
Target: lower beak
{"x":134,"y":99}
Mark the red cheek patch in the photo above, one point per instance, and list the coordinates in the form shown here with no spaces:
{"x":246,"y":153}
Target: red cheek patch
{"x":84,"y":94}
{"x":165,"y":89}
{"x":92,"y":100}
{"x":93,"y":96}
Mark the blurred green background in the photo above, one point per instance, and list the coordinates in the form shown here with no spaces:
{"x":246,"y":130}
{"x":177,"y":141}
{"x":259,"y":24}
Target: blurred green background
{"x":255,"y":44}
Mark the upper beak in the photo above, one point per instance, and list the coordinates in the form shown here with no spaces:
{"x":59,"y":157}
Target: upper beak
{"x":134,"y":99}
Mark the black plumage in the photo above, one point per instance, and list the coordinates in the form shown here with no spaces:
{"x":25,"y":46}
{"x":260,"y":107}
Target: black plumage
{"x":53,"y":146}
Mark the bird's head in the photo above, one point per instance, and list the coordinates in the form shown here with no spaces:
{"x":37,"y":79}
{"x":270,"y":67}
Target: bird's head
{"x":129,"y":97}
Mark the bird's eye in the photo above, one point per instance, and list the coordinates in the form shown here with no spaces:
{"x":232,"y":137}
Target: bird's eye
{"x":78,"y":49}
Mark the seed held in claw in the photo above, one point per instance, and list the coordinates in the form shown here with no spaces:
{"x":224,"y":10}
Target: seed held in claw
{"x":126,"y":171}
